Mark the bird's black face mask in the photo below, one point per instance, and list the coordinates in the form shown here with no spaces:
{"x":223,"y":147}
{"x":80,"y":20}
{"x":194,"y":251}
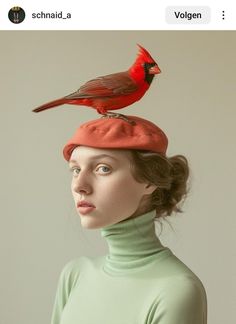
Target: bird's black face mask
{"x":148,"y":77}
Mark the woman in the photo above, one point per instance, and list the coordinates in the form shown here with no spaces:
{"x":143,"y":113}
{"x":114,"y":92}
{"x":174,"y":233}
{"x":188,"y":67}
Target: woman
{"x":122,"y":181}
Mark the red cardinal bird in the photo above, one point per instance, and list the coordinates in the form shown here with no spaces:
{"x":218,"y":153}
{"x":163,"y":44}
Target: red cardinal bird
{"x":113,"y":91}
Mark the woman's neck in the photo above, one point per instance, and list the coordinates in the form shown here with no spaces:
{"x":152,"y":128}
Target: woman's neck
{"x":132,"y":243}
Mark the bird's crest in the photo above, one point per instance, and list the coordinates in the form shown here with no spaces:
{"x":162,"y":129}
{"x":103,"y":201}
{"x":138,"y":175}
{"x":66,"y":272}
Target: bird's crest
{"x":144,"y":55}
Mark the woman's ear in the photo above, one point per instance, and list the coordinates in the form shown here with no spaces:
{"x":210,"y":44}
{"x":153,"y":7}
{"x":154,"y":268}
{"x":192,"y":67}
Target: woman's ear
{"x":150,"y":188}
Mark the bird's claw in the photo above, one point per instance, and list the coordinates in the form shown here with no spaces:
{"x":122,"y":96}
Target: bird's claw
{"x":116,"y":115}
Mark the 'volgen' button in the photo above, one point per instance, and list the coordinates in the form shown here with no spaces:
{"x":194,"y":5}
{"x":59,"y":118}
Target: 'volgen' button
{"x":188,"y":15}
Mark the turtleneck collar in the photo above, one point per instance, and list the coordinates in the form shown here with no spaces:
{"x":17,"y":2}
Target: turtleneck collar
{"x":132,"y":244}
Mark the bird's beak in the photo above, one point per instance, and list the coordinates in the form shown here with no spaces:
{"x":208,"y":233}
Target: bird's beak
{"x":154,"y":70}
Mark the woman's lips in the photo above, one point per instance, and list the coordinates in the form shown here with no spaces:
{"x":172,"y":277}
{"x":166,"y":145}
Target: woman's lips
{"x":85,"y":207}
{"x":84,"y":203}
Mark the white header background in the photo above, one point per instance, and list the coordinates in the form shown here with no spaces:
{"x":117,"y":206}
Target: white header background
{"x":115,"y":15}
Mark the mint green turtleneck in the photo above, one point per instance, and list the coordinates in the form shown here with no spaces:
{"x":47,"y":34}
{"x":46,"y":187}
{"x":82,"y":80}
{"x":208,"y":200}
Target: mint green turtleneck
{"x":139,"y":281}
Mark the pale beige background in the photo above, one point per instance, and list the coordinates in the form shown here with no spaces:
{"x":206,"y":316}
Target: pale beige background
{"x":193,"y":100}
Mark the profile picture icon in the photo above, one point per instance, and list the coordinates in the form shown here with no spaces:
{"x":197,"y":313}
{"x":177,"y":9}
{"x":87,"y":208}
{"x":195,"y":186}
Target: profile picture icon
{"x":16,"y":15}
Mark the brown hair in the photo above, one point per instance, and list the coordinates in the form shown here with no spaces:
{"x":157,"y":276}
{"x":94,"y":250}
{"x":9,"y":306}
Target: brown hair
{"x":169,"y":174}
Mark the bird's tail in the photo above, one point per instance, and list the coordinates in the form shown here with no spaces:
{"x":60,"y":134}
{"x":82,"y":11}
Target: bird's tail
{"x":51,"y":104}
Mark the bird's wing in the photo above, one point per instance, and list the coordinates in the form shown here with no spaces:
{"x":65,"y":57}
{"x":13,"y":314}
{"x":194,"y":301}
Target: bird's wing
{"x":106,"y":86}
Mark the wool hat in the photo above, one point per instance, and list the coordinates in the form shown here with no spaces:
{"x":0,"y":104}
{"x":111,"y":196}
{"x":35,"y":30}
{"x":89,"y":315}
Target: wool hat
{"x":118,"y":131}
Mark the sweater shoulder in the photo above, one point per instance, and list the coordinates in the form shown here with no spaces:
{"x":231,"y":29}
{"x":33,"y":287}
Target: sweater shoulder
{"x":176,"y":284}
{"x":73,"y":268}
{"x":185,"y":296}
{"x":71,"y":271}
{"x":172,"y":268}
{"x":185,"y":285}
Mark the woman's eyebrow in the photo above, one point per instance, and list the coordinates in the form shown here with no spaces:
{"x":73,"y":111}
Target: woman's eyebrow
{"x":97,"y":157}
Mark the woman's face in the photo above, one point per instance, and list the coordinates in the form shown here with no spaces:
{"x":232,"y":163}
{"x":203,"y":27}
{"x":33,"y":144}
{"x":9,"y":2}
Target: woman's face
{"x":102,"y":179}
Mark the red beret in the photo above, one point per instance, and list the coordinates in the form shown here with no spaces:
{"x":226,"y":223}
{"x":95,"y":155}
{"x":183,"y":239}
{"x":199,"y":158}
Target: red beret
{"x":129,"y":132}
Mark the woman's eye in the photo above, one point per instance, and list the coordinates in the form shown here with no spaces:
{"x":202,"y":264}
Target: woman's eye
{"x":75,"y":171}
{"x":103,"y":169}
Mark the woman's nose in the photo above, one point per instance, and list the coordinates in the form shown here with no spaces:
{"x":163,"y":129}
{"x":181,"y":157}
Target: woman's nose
{"x":82,"y":185}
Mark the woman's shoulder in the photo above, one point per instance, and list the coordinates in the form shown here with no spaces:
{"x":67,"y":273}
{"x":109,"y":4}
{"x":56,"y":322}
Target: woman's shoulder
{"x":185,"y":285}
{"x":71,"y":271}
{"x":76,"y":265}
{"x":173,"y":275}
{"x":172,"y":267}
{"x":183,"y":293}
{"x":175,"y":286}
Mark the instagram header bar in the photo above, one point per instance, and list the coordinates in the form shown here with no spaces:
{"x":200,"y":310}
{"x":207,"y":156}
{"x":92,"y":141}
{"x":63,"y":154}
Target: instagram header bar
{"x":119,"y":15}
